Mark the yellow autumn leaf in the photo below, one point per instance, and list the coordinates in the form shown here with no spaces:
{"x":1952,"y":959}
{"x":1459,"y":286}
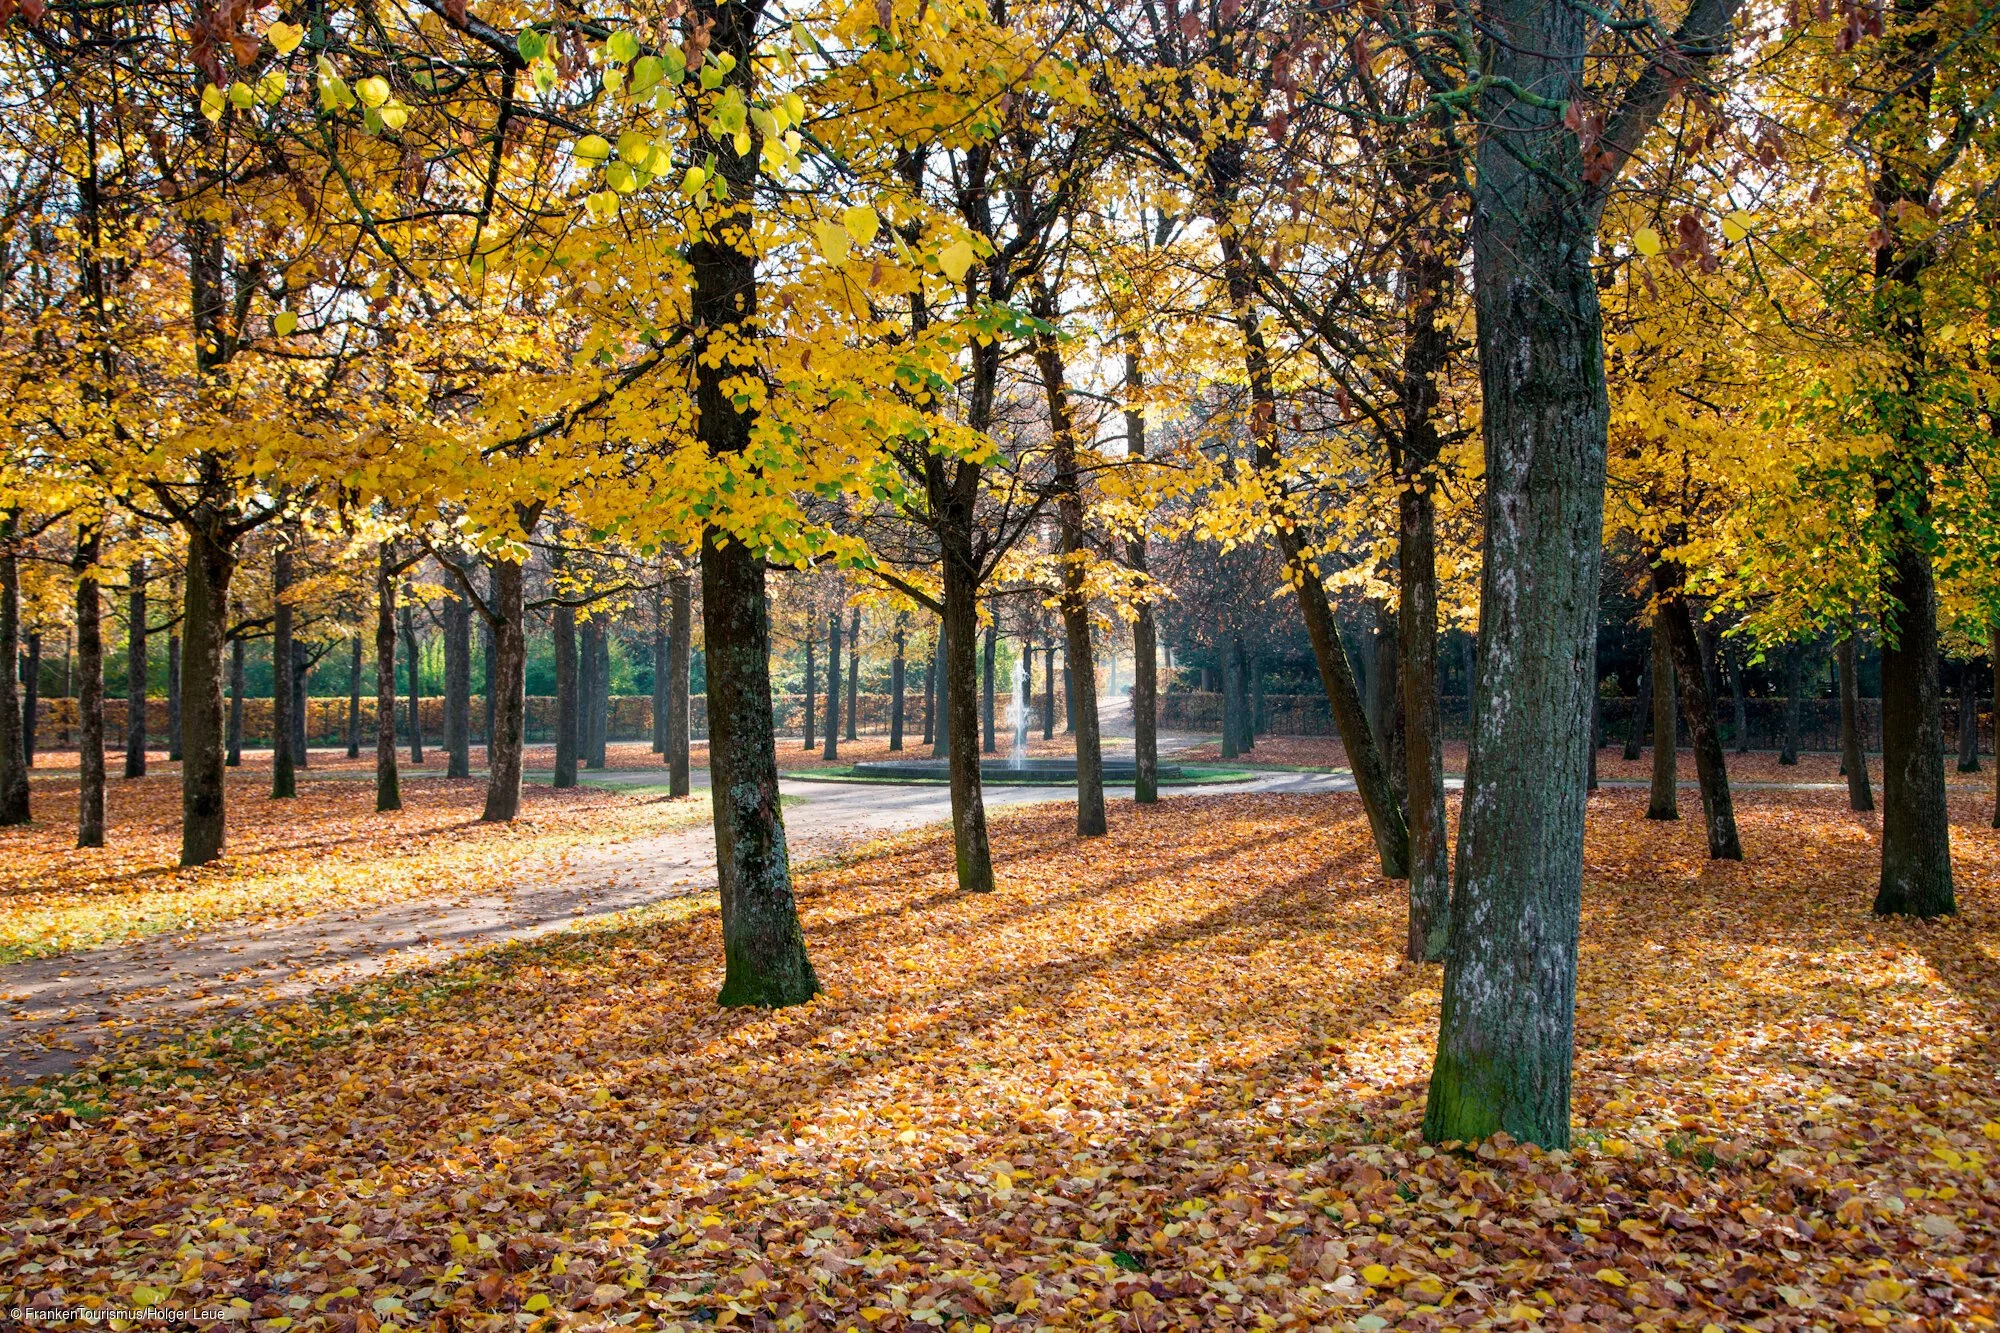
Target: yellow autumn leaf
{"x":833,"y":241}
{"x":861,"y":223}
{"x":956,"y":258}
{"x":285,"y":37}
{"x":1646,"y":241}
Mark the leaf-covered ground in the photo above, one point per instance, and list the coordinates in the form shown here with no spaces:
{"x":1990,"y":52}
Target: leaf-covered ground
{"x":325,"y":849}
{"x":1167,"y":1079}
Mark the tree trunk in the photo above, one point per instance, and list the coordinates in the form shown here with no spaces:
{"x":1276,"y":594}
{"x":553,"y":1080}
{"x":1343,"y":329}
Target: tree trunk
{"x":284,"y":781}
{"x":763,"y":945}
{"x":1993,"y":656}
{"x":14,"y":807}
{"x":1049,"y":694}
{"x":1080,"y":679}
{"x":853,"y":714}
{"x":832,"y":750}
{"x":600,"y":699}
{"x":31,"y":697}
{"x":1642,"y":699}
{"x":568,"y":705}
{"x":930,"y":698}
{"x":1853,"y":754}
{"x":135,"y":674}
{"x":681,"y":657}
{"x":989,"y":741}
{"x":486,"y":654}
{"x":211,"y":565}
{"x":1423,"y":722}
{"x":414,"y":670}
{"x":506,"y":692}
{"x":1788,"y":740}
{"x":354,"y":700}
{"x":301,"y":739}
{"x":388,"y":783}
{"x":90,"y":692}
{"x":1145,"y":633}
{"x":1741,"y":705}
{"x":959,"y":638}
{"x":1596,"y":741}
{"x":896,"y":670}
{"x":659,"y":674}
{"x":1697,"y":700}
{"x":1664,"y":799}
{"x":1232,"y":728}
{"x":586,"y":689}
{"x":457,"y":684}
{"x":941,"y":686}
{"x":1968,"y":717}
{"x":236,"y":689}
{"x":1505,"y":1035}
{"x":176,"y":747}
{"x":1916,"y":828}
{"x":810,"y":681}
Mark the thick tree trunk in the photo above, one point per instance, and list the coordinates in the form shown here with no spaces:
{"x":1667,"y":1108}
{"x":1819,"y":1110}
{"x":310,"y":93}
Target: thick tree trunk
{"x":989,"y":741}
{"x":211,"y":564}
{"x":284,"y":780}
{"x":568,"y":705}
{"x":832,"y":750}
{"x":176,"y":741}
{"x":14,"y":808}
{"x":763,"y":945}
{"x":1853,"y":754}
{"x":896,"y":670}
{"x":135,"y":674}
{"x":1794,"y":675}
{"x":681,"y":654}
{"x":1916,"y":828}
{"x":458,"y":684}
{"x":354,"y":700}
{"x":506,"y":692}
{"x":237,"y":653}
{"x":1079,"y":652}
{"x":301,"y":739}
{"x":1505,"y":1035}
{"x":388,"y":782}
{"x":972,"y":852}
{"x":89,"y":693}
{"x":1697,"y":700}
{"x":413,"y":668}
{"x":1968,"y":718}
{"x":853,"y":713}
{"x":1664,"y":798}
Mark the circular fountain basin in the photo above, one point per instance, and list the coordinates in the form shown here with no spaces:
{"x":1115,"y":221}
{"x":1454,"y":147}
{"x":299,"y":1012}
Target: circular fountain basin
{"x":1054,"y":772}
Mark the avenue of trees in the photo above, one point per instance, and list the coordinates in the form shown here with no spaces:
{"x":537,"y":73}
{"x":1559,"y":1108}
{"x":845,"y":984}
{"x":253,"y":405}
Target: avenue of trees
{"x":1408,"y":344}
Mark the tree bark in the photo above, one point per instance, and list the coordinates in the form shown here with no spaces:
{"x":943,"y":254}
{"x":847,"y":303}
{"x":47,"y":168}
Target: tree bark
{"x":1794,"y":673}
{"x":586,"y":690}
{"x":681,"y":658}
{"x":600,"y":698}
{"x":354,"y":700}
{"x":1423,"y":722}
{"x":135,"y":674}
{"x":1664,"y":798}
{"x":1145,"y":632}
{"x":763,"y":945}
{"x":506,"y":692}
{"x":1916,"y":828}
{"x":486,"y":653}
{"x":1231,"y":727}
{"x":1968,"y":717}
{"x":1049,"y":693}
{"x":853,"y":714}
{"x":236,"y":689}
{"x":1505,"y":1035}
{"x":414,"y":670}
{"x":14,"y":806}
{"x":832,"y":750}
{"x":1853,"y":754}
{"x":284,"y":780}
{"x":896,"y":670}
{"x":972,"y":852}
{"x":568,"y":705}
{"x":810,"y":680}
{"x":90,"y":691}
{"x":211,"y":565}
{"x":31,"y":697}
{"x":301,"y":738}
{"x":1737,"y":698}
{"x":176,"y":746}
{"x":941,"y":685}
{"x":930,"y":697}
{"x":457,"y":684}
{"x":659,"y":674}
{"x":388,"y":782}
{"x":1993,"y":656}
{"x":1697,"y":700}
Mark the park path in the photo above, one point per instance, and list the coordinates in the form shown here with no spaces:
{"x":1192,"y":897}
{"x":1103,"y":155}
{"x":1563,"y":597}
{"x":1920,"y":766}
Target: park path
{"x":61,"y":1011}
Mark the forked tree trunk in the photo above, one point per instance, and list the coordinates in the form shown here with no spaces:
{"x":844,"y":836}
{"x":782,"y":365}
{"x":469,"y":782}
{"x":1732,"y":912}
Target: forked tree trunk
{"x":832,"y":750}
{"x":211,"y":565}
{"x":388,"y":782}
{"x":896,"y":669}
{"x":763,"y":945}
{"x":1664,"y":798}
{"x":284,"y":781}
{"x":681,"y":659}
{"x":354,"y":700}
{"x":135,"y":674}
{"x":506,"y":693}
{"x":1697,"y":700}
{"x":237,"y":685}
{"x":568,"y":731}
{"x":90,"y":692}
{"x":457,"y":684}
{"x":1853,"y":754}
{"x":14,"y":807}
